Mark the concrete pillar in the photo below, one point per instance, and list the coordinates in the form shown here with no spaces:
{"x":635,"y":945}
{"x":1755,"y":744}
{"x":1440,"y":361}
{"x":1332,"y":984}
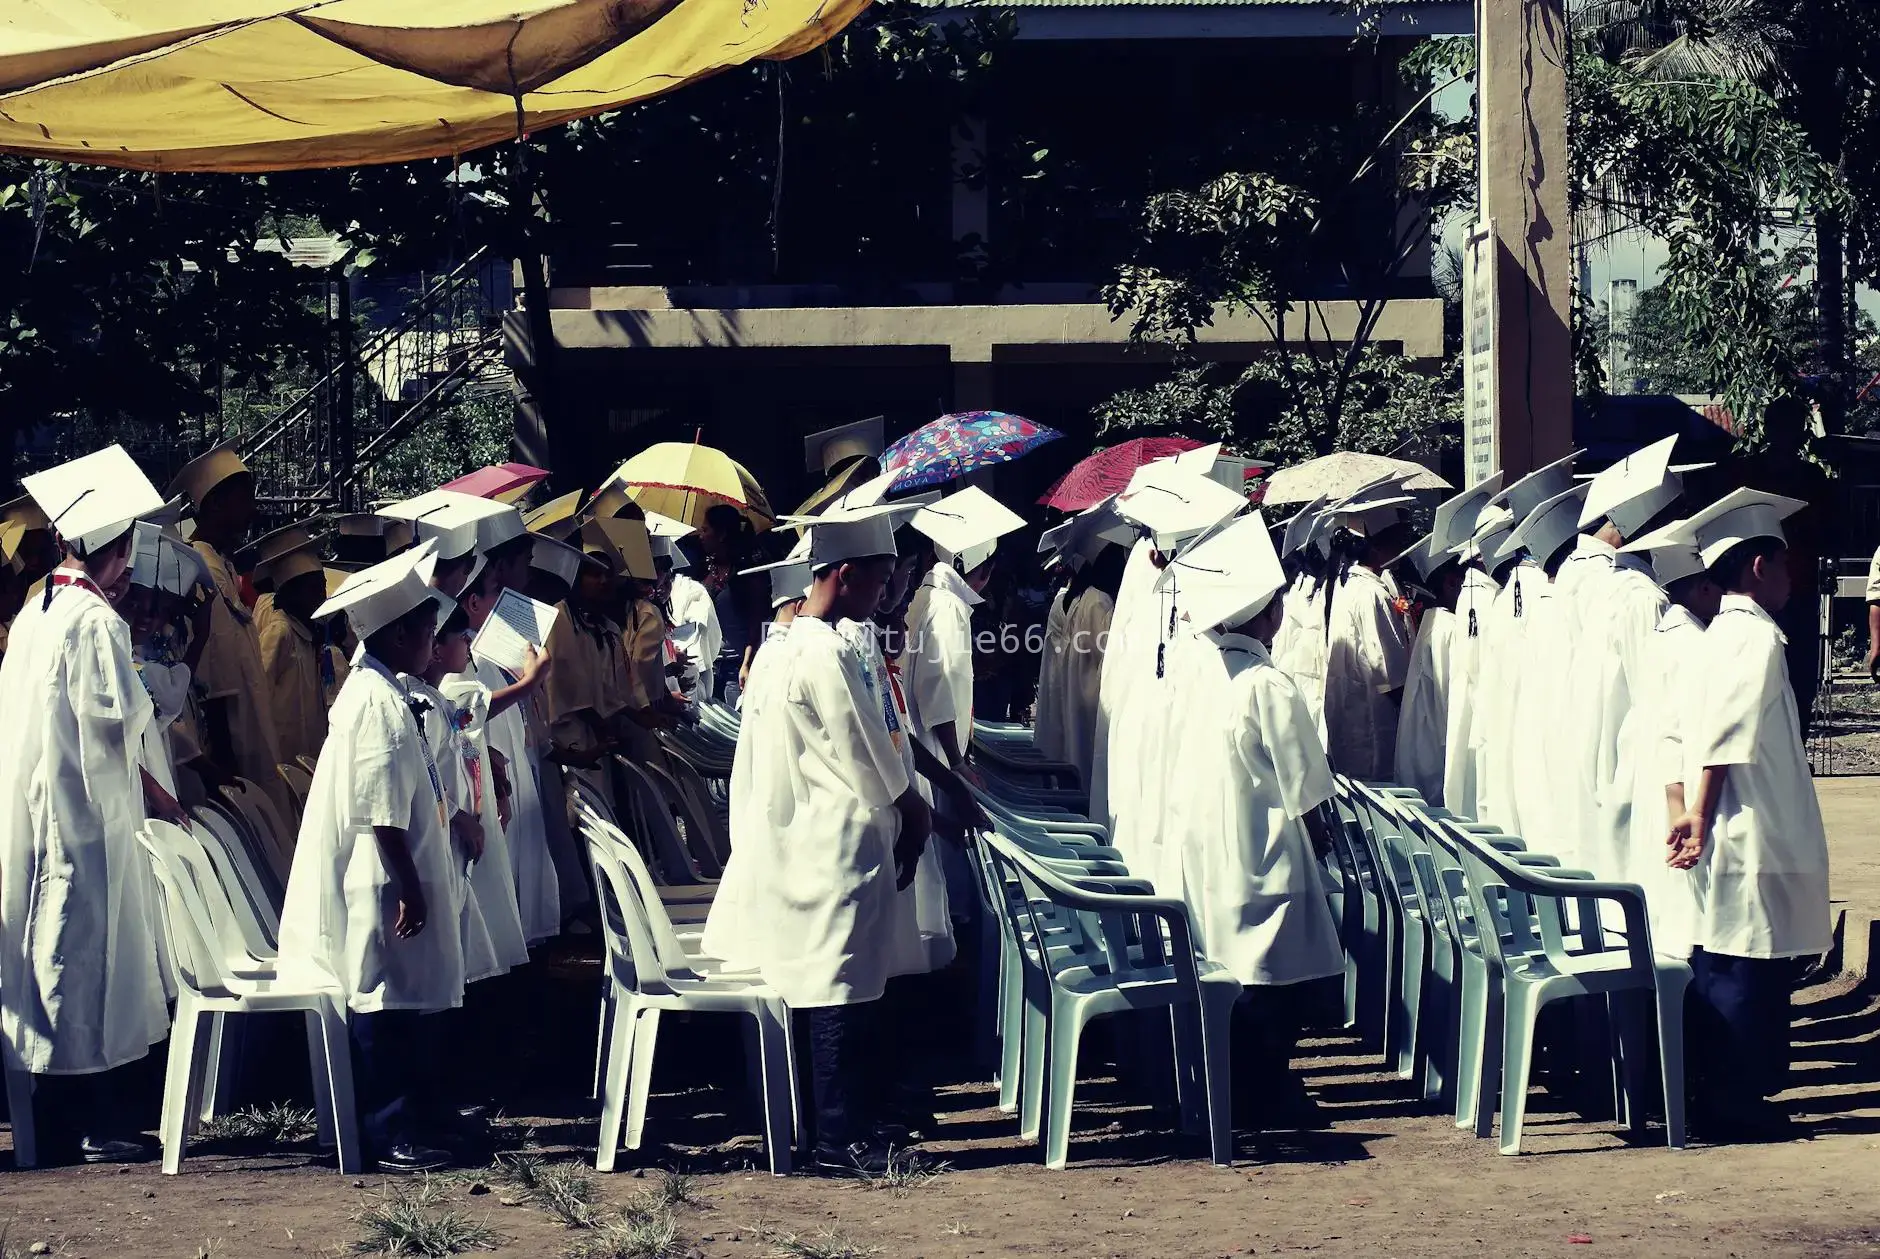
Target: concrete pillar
{"x":974,"y":387}
{"x":1522,"y":83}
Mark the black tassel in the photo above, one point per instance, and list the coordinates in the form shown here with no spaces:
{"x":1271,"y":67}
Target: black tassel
{"x":1471,"y":622}
{"x":1517,"y":597}
{"x":1161,"y":656}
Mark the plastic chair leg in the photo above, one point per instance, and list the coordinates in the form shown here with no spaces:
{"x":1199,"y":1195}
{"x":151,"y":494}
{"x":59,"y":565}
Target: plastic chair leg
{"x":1185,"y":1052}
{"x":1032,"y":1033}
{"x":1670,"y":1011}
{"x":779,"y":1085}
{"x":1433,"y":1032}
{"x":1415,"y":970}
{"x":1011,"y":1028}
{"x":600,"y":1034}
{"x":990,"y":998}
{"x":1217,"y":1021}
{"x":645,"y":1044}
{"x":1067,"y":1030}
{"x":218,"y":1072}
{"x":336,"y":1057}
{"x":20,"y":1112}
{"x":189,"y":1035}
{"x":1472,"y":1002}
{"x":1488,"y":1083}
{"x":614,"y":1088}
{"x":323,"y":1123}
{"x":1523,"y":1012}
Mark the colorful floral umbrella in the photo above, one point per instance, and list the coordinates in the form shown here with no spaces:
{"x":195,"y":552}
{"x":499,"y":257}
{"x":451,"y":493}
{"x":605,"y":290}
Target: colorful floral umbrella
{"x":954,"y":445}
{"x":1105,"y":473}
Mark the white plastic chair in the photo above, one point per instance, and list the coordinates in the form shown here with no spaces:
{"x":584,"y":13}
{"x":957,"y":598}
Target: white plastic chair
{"x":207,"y":992}
{"x":644,"y":988}
{"x":1125,"y":967}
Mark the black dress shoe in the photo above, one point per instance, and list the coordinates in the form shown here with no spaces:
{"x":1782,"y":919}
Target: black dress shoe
{"x":862,"y":1158}
{"x":408,"y":1157}
{"x":105,"y":1150}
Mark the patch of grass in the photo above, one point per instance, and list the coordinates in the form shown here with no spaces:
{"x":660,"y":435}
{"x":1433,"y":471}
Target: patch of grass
{"x":639,"y":1232}
{"x":676,"y":1189}
{"x":564,"y":1190}
{"x":823,"y":1244}
{"x":907,"y":1171}
{"x":274,"y":1124}
{"x":413,"y":1218}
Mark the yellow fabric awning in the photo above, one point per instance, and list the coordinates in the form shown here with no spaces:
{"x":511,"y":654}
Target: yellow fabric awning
{"x":249,"y":85}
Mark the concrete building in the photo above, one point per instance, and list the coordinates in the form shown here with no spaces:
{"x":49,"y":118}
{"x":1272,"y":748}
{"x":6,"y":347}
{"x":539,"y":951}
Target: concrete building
{"x":663,"y":330}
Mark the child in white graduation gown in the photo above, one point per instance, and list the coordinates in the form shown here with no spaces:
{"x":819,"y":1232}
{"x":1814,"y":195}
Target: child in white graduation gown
{"x":1368,"y":653}
{"x":1753,"y":838}
{"x":1244,"y":822}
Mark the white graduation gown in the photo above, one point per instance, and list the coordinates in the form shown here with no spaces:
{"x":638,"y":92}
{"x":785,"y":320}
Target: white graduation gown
{"x":1423,"y":722}
{"x":1763,"y":878}
{"x":1252,"y":769}
{"x":1086,"y":637}
{"x":1047,"y":710}
{"x":1461,"y":759}
{"x":1131,"y":654}
{"x":1625,"y":605}
{"x":1491,"y":730}
{"x":695,"y":628}
{"x":442,"y":732}
{"x":493,"y":879}
{"x":79,"y":988}
{"x":1672,"y":686}
{"x":538,"y":888}
{"x":1539,"y":677}
{"x":1141,"y":772}
{"x":808,"y":898}
{"x":337,"y":924}
{"x":1300,"y":647}
{"x":1570,"y":736}
{"x":1150,"y":831}
{"x":923,"y":935}
{"x":936,"y":661}
{"x":1367,"y":658}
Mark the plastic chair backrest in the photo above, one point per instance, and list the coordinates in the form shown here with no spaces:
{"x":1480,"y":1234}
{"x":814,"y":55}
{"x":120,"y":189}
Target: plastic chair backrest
{"x":221,"y":826}
{"x":298,"y":782}
{"x":698,"y":824}
{"x":274,"y":846}
{"x":627,"y":916}
{"x":652,"y":814}
{"x":219,"y":888}
{"x":195,"y":958}
{"x":1123,"y":918}
{"x":714,"y":825}
{"x":670,"y":952}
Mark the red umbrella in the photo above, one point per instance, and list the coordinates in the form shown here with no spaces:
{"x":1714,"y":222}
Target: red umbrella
{"x":1105,"y":473}
{"x":502,"y":481}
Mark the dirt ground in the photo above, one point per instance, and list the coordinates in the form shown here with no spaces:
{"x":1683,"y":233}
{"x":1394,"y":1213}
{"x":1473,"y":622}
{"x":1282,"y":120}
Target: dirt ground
{"x":1388,"y":1178}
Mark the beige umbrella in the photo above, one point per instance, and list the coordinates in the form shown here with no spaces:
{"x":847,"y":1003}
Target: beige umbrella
{"x":683,"y":480}
{"x":251,"y":85}
{"x":1343,"y":472}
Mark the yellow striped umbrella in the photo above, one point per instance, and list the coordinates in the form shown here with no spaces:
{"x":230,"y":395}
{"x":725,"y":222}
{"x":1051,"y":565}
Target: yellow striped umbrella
{"x":685,"y":479}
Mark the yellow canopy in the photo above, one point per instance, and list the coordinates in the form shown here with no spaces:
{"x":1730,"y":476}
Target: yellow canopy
{"x":250,"y":85}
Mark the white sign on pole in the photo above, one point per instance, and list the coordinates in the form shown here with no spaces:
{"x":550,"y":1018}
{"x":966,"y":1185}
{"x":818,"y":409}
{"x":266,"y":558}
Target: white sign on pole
{"x":1480,"y":275}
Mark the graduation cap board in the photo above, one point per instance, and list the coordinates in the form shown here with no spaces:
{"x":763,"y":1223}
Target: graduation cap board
{"x":206,"y":471}
{"x":1228,"y":577}
{"x":11,"y":532}
{"x":1174,"y":505}
{"x":829,"y":451}
{"x":1738,"y":516}
{"x":1454,"y":523}
{"x":790,"y":578}
{"x":1492,"y":528}
{"x":666,"y":527}
{"x":558,"y":559}
{"x":1538,"y":486}
{"x":1370,"y":512}
{"x":378,"y":596}
{"x":1301,"y":526}
{"x":24,"y":512}
{"x":1672,"y":550}
{"x":1082,"y":538}
{"x":840,"y":535}
{"x":553,"y":513}
{"x":623,"y":544}
{"x":967,"y":526}
{"x":1549,"y":526}
{"x":93,"y":500}
{"x":1636,"y":488}
{"x":1424,"y":557}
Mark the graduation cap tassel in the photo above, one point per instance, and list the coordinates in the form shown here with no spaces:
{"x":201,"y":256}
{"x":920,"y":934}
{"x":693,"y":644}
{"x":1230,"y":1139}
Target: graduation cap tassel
{"x":1517,"y":597}
{"x":1471,"y":622}
{"x":1161,"y":656}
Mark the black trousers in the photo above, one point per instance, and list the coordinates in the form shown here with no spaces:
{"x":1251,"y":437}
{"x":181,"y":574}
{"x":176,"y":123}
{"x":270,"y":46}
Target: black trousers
{"x":845,"y":1054}
{"x":1738,"y":1027}
{"x":393,"y":1064}
{"x":67,"y":1108}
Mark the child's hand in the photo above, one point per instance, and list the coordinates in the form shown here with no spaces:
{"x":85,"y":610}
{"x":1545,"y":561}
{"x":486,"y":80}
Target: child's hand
{"x":467,"y":830}
{"x":412,"y":912}
{"x":535,"y":666}
{"x":1686,"y":841}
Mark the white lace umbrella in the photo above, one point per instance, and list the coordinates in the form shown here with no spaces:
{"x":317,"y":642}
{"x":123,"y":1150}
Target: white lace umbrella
{"x":1344,"y":472}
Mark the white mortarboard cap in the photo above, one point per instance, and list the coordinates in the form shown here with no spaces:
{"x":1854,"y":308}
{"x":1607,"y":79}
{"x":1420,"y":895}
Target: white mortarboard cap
{"x":841,"y":534}
{"x":1549,"y":525}
{"x":558,"y":559}
{"x":93,"y":500}
{"x":1301,"y":526}
{"x":1174,"y":505}
{"x":181,"y":567}
{"x":824,"y":452}
{"x":1492,"y":528}
{"x":967,"y":526}
{"x":1737,"y":517}
{"x":377,"y":596}
{"x":1673,"y":552}
{"x":1373,"y":508}
{"x":146,"y":547}
{"x":443,"y":517}
{"x":666,"y":527}
{"x":1229,"y":576}
{"x":1636,"y":488}
{"x":789,"y":581}
{"x":1538,"y":486}
{"x":503,"y":525}
{"x":1082,"y":538}
{"x":1454,"y":523}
